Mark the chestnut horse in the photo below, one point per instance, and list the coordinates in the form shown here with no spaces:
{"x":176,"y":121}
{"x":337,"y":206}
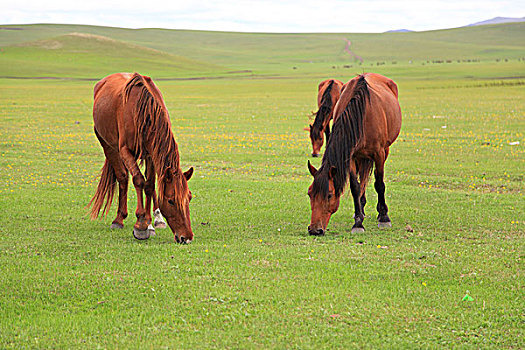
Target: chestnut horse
{"x":367,"y":121}
{"x":327,"y":96}
{"x":132,"y":123}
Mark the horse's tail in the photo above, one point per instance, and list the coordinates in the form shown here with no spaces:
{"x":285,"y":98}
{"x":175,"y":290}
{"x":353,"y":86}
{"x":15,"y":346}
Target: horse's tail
{"x":105,"y":191}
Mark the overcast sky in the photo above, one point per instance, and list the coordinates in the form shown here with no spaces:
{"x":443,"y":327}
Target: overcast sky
{"x":263,"y":16}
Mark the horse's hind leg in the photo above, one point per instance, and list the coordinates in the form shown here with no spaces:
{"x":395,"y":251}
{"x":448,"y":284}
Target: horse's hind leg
{"x":379,"y":184}
{"x":122,"y":177}
{"x":122,"y":211}
{"x":140,"y":229}
{"x":358,"y":211}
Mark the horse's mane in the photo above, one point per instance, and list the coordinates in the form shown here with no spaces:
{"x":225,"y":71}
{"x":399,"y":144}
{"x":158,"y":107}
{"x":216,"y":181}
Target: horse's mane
{"x":323,"y":112}
{"x":154,"y":137}
{"x":346,"y":134}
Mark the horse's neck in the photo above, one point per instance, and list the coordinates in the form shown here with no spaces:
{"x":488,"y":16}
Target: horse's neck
{"x":164,"y":160}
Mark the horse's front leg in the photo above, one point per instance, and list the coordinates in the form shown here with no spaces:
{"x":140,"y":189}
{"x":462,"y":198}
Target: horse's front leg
{"x":140,"y":229}
{"x":151,"y":197}
{"x":363,"y":167}
{"x":158,"y":221}
{"x":358,"y":210}
{"x":379,"y":185}
{"x":149,"y":190}
{"x":363,"y":199}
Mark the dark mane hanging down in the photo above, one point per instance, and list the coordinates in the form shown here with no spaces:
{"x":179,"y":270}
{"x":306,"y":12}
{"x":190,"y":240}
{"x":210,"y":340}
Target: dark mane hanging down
{"x":346,"y":134}
{"x":323,"y":112}
{"x":154,"y":137}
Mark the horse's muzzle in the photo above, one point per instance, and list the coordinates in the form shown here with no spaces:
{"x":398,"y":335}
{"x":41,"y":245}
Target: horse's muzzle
{"x":315,"y":232}
{"x":183,"y":240}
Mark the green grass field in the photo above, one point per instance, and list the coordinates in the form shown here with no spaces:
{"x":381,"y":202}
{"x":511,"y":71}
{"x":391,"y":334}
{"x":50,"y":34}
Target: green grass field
{"x":253,"y":278}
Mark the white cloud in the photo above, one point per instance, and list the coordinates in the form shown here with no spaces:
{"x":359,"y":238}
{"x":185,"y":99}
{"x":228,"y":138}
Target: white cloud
{"x":258,"y":15}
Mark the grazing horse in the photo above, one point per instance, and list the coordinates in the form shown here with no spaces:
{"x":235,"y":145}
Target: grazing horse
{"x":367,"y":121}
{"x":327,"y":96}
{"x":132,"y":123}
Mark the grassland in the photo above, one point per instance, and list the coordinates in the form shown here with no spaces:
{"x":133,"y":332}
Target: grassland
{"x":253,"y":278}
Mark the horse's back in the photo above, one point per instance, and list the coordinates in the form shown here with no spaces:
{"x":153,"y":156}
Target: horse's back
{"x":385,"y":86}
{"x":337,"y":85}
{"x":112,"y":82}
{"x":385,"y":94}
{"x":382,"y":122}
{"x":107,"y":104}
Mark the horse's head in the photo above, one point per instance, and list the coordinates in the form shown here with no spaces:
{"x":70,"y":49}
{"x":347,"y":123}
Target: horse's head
{"x":317,"y":138}
{"x":323,"y":199}
{"x":174,"y":203}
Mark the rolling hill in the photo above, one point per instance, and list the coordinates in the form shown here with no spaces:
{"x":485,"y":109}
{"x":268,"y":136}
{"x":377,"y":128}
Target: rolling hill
{"x":91,"y":51}
{"x":89,"y":55}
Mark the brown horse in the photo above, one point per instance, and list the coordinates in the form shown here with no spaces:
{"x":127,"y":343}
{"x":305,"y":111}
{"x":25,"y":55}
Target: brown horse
{"x":327,"y":97}
{"x":132,"y":123}
{"x":367,"y":121}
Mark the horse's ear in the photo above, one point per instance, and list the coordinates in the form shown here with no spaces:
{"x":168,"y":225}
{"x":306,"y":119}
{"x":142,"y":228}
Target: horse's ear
{"x":333,"y":171}
{"x":188,"y":174}
{"x":312,"y":169}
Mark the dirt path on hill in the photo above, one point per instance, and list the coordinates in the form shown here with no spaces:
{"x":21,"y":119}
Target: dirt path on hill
{"x":347,"y":49}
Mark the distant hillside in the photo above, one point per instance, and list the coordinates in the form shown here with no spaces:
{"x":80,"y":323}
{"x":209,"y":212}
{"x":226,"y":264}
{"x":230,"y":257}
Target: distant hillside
{"x":90,"y":55}
{"x":92,"y":51}
{"x":498,"y":20}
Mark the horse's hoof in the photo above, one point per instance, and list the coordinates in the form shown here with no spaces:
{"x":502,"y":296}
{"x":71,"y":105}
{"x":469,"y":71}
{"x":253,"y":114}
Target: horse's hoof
{"x":141,"y":235}
{"x":160,"y":224}
{"x":386,"y":224}
{"x":358,"y":230}
{"x":151,"y":230}
{"x":116,"y":225}
{"x":159,"y":220}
